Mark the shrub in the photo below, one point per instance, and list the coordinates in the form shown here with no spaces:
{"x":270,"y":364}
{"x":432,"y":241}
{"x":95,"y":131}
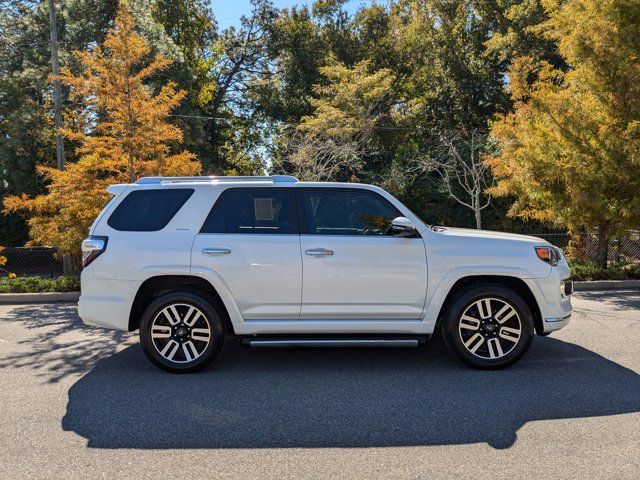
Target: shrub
{"x":37,"y":284}
{"x":591,"y":271}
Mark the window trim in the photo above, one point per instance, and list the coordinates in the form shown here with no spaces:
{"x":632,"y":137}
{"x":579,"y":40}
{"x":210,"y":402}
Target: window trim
{"x":294,"y":215}
{"x":302,"y":213}
{"x":190,"y":191}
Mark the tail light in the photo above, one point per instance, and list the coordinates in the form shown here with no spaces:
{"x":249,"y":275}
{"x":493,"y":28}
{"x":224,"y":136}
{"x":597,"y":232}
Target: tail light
{"x":550,"y":255}
{"x":92,"y":248}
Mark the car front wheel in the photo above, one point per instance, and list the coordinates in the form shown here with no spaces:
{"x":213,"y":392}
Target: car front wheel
{"x":181,"y":332}
{"x":488,"y":326}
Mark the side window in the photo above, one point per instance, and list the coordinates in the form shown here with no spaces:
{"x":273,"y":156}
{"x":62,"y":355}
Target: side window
{"x":347,"y":212}
{"x":148,"y":210}
{"x":252,"y":210}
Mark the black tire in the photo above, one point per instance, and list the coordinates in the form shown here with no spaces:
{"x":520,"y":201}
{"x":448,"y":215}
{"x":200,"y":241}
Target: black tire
{"x":492,"y":345}
{"x":175,"y":345}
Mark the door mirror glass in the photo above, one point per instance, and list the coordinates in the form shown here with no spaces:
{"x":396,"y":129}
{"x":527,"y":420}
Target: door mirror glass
{"x":403,"y":227}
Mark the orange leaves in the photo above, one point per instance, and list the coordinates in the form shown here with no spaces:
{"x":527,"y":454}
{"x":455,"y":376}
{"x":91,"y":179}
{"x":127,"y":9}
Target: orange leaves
{"x":3,"y":262}
{"x":122,"y":131}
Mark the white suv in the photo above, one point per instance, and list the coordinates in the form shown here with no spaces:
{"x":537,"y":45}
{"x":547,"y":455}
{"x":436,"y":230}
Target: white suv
{"x":282,"y":263}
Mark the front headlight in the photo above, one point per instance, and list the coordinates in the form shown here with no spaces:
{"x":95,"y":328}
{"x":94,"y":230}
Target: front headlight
{"x":550,"y":255}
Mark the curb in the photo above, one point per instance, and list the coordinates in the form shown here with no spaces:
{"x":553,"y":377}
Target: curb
{"x":595,"y":285}
{"x":43,"y":297}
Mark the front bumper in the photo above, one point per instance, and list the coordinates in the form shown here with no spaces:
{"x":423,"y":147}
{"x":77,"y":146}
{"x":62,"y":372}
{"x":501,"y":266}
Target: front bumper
{"x":555,"y":307}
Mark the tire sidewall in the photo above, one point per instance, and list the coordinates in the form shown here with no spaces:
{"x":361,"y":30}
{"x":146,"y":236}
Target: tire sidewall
{"x":450,"y":326}
{"x":189,"y":298}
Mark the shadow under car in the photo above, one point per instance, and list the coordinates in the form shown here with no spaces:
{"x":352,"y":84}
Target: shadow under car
{"x":341,"y":398}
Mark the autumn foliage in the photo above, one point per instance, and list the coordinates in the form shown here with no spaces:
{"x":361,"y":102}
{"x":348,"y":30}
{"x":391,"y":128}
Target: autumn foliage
{"x":3,"y":262}
{"x":122,"y":133}
{"x":569,"y":149}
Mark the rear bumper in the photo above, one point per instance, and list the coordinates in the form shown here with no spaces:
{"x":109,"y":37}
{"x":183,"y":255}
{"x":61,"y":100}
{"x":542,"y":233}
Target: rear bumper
{"x":106,"y":303}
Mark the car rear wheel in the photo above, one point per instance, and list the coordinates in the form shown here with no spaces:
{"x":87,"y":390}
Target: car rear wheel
{"x":488,"y":326}
{"x":181,"y":332}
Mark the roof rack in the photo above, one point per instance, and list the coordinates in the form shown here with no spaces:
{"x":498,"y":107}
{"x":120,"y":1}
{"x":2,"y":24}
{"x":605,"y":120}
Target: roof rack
{"x":272,"y":178}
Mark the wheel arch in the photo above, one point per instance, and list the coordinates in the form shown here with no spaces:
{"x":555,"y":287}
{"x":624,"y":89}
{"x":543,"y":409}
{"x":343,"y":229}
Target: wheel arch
{"x":513,"y":283}
{"x":155,"y":286}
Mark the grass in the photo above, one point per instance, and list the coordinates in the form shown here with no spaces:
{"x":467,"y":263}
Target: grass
{"x":37,"y":284}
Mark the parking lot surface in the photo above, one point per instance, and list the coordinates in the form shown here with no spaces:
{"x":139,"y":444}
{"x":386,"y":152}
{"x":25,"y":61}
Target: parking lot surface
{"x":83,"y":402}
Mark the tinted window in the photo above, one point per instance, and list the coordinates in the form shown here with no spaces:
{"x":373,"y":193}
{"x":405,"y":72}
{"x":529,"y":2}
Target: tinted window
{"x":347,"y":212}
{"x":148,"y":210}
{"x":256,"y":210}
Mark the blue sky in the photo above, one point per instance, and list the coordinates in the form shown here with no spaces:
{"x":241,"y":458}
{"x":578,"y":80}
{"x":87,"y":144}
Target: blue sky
{"x":228,"y":12}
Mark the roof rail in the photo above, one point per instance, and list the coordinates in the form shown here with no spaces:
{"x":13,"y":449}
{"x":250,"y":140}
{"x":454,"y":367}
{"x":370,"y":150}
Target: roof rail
{"x":272,"y":178}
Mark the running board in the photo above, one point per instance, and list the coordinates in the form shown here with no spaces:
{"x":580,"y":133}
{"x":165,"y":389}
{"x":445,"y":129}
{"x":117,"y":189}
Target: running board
{"x":297,"y":342}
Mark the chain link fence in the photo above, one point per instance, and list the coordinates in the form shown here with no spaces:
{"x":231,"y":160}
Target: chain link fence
{"x":32,"y":262}
{"x":622,"y":249}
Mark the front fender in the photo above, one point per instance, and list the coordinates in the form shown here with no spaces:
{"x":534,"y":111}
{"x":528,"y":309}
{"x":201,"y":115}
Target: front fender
{"x":438,"y":291}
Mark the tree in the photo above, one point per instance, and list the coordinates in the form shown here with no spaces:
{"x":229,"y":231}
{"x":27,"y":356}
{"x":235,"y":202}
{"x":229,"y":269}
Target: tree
{"x":570,"y":150}
{"x":121,"y":130}
{"x":459,"y":159}
{"x":515,"y":31}
{"x":334,"y":142}
{"x":241,"y":60}
{"x":27,"y":129}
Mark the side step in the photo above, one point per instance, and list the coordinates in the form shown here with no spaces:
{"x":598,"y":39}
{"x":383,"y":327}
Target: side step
{"x":272,"y":341}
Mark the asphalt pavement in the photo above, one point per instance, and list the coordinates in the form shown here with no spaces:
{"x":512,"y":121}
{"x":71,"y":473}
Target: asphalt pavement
{"x":83,"y":402}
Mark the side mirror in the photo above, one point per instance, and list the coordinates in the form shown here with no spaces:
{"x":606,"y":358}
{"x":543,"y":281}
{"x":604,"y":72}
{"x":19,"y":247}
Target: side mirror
{"x":403,"y":227}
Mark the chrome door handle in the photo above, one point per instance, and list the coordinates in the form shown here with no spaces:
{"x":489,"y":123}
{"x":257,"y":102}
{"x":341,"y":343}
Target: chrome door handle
{"x":318,"y":252}
{"x":213,"y":251}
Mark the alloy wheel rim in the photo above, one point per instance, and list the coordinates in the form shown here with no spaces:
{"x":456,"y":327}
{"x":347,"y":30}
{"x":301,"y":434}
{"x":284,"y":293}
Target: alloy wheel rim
{"x":490,"y":328}
{"x":180,"y":333}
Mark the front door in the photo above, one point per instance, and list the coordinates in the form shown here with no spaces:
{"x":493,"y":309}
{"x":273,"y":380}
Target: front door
{"x":250,"y":239}
{"x":353,"y":268}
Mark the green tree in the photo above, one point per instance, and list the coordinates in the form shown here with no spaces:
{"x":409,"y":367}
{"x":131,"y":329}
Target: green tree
{"x":570,"y":149}
{"x":515,"y":31}
{"x":336,"y":140}
{"x":232,"y":126}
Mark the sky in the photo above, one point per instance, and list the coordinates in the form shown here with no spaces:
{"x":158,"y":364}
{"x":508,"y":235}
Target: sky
{"x":228,"y":12}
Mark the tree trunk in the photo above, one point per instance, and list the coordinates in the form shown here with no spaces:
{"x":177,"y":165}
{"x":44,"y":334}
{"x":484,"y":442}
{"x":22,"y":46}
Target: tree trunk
{"x":477,"y":211}
{"x":603,"y":246}
{"x":57,"y":87}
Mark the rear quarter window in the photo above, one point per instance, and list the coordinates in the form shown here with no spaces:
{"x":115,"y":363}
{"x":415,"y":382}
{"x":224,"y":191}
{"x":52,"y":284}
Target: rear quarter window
{"x":148,"y":210}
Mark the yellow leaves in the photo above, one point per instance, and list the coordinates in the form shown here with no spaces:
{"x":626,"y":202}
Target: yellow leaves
{"x":15,"y":203}
{"x":130,"y":137}
{"x":564,"y":150}
{"x":349,"y":102}
{"x":3,"y":262}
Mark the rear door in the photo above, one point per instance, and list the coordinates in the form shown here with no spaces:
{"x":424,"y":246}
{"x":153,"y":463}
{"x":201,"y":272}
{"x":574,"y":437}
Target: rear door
{"x":250,"y":238}
{"x":353,"y":268}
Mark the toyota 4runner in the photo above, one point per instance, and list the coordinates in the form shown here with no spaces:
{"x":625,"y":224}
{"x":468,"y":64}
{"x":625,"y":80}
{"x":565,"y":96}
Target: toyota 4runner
{"x":281,"y":263}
